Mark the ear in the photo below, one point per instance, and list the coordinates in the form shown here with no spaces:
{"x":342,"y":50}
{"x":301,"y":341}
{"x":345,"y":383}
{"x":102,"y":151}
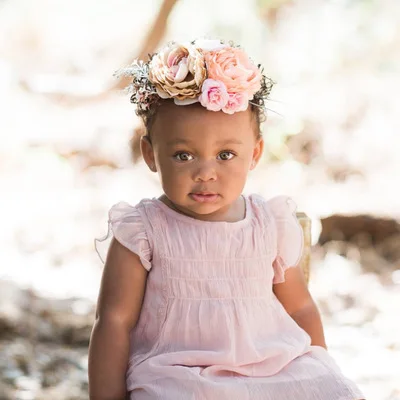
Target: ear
{"x":257,"y":153}
{"x":148,"y":153}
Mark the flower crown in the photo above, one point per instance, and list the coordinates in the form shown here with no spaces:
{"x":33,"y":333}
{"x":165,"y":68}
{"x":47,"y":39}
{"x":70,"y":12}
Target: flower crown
{"x":220,"y":76}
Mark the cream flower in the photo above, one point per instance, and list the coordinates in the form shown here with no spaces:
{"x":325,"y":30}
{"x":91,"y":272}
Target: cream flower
{"x":178,"y":71}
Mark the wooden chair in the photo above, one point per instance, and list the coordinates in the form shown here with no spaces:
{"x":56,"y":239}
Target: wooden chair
{"x":305,"y":223}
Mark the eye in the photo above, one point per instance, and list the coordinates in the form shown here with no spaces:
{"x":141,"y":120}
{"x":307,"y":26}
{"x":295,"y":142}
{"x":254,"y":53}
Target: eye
{"x":183,"y":156}
{"x":226,"y":155}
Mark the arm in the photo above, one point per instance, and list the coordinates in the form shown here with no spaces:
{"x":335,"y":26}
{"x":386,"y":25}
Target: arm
{"x":118,"y":309}
{"x":297,"y":301}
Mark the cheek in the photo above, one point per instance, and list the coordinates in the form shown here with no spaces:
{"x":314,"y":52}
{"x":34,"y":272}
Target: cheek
{"x":235,"y":174}
{"x":172,"y":174}
{"x":240,"y":166}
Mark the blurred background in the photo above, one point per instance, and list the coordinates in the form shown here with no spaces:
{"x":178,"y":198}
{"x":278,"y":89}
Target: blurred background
{"x":332,"y":143}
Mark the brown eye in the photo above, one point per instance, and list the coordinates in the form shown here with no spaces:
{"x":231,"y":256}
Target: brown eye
{"x":225,"y":155}
{"x":183,"y":156}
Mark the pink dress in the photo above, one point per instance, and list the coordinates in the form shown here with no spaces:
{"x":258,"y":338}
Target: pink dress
{"x":211,"y":326}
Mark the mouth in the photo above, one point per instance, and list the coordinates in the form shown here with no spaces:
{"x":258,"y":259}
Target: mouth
{"x":204,"y":197}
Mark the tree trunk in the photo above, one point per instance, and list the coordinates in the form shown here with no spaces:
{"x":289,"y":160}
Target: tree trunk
{"x":154,"y":36}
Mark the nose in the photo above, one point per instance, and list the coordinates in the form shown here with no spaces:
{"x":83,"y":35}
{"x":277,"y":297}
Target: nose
{"x":205,"y":172}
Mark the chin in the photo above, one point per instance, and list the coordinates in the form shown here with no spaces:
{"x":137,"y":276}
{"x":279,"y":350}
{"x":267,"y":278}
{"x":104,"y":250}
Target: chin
{"x":201,"y":207}
{"x":204,"y":207}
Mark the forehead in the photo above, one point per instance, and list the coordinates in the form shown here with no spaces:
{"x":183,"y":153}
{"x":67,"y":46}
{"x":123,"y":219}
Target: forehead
{"x":196,"y":124}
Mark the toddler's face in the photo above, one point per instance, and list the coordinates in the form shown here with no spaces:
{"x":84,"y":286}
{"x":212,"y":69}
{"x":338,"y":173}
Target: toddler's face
{"x":202,"y":157}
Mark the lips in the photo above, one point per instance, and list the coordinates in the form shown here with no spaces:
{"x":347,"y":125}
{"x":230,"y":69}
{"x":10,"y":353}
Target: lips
{"x":205,"y":193}
{"x":204,"y":197}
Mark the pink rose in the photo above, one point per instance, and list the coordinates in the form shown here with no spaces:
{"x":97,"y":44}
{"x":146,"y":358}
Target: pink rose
{"x":233,"y":67}
{"x":214,"y":95}
{"x":236,"y":102}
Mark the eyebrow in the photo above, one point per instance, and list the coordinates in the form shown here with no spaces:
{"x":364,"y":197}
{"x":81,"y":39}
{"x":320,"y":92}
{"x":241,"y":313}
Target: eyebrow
{"x":188,"y":142}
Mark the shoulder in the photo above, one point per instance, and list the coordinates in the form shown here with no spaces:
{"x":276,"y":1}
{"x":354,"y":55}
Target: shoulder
{"x":287,"y":231}
{"x":280,"y":207}
{"x":125,"y":209}
{"x":135,"y":218}
{"x":130,"y":226}
{"x":142,"y":214}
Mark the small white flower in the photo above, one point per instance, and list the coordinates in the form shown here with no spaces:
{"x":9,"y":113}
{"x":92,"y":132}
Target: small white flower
{"x":209,"y":44}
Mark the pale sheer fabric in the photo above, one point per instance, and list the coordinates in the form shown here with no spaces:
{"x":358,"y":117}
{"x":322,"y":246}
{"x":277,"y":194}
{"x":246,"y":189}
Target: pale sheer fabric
{"x":211,"y":326}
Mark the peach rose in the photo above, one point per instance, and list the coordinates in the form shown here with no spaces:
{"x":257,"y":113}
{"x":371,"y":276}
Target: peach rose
{"x":178,"y":72}
{"x":214,"y":95}
{"x":233,"y":67}
{"x":236,"y":102}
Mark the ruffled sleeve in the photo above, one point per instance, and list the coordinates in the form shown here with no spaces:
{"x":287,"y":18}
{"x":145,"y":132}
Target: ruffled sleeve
{"x":289,"y":236}
{"x":126,"y":225}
